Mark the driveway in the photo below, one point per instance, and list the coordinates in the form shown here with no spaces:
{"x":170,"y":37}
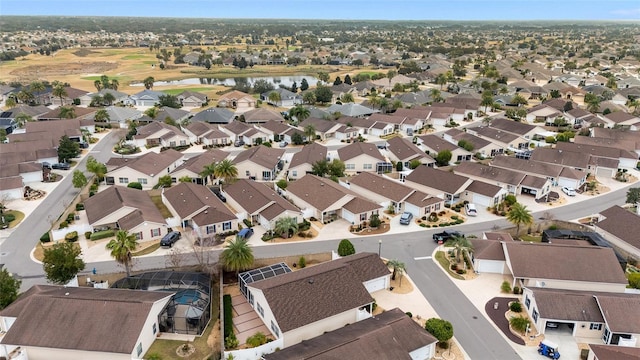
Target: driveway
{"x":496,"y":314}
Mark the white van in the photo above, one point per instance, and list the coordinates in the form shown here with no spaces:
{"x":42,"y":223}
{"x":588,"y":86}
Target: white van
{"x":470,"y":209}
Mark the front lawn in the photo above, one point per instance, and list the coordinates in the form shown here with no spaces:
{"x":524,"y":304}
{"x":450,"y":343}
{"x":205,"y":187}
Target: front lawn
{"x":157,"y":200}
{"x":441,"y":256}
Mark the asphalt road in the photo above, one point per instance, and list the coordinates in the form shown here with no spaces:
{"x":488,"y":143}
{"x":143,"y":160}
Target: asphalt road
{"x":476,"y":335}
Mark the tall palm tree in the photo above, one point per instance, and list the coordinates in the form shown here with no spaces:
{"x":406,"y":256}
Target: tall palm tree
{"x":390,"y":75}
{"x":436,"y":95}
{"x":299,"y":112}
{"x":22,"y":119}
{"x":441,"y":80}
{"x":10,"y":102}
{"x":460,"y":246}
{"x":37,"y":88}
{"x":102,"y":116}
{"x":114,"y":84}
{"x":148,"y":82}
{"x":59,"y":91}
{"x":104,"y":80}
{"x":67,"y":112}
{"x":633,"y":103}
{"x":286,"y":225}
{"x":237,"y":256}
{"x":226,"y":171}
{"x":310,"y":133}
{"x":274,"y":97}
{"x":396,"y":104}
{"x":121,"y":248}
{"x":374,"y":100}
{"x":152,"y":112}
{"x":108,"y":98}
{"x":519,"y":214}
{"x":384,"y":104}
{"x":398,"y":267}
{"x":98,"y":85}
{"x":25,"y":96}
{"x":487,"y":100}
{"x":208,"y":172}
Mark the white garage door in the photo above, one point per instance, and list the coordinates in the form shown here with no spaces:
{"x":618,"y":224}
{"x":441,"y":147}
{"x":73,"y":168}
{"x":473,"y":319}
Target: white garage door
{"x":604,"y":173}
{"x":490,"y":266}
{"x":481,"y":200}
{"x":375,"y":284}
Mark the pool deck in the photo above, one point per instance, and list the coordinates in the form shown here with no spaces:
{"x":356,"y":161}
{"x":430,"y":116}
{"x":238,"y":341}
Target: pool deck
{"x":246,"y":321}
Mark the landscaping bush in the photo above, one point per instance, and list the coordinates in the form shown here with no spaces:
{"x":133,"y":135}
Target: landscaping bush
{"x":228,"y":316}
{"x":516,"y":290}
{"x":454,"y":267}
{"x":71,"y":217}
{"x":45,"y":238}
{"x":448,"y":206}
{"x":256,"y":340}
{"x":87,"y":235}
{"x":304,"y":225}
{"x":79,"y":206}
{"x":515,"y":306}
{"x":374,"y":221}
{"x":424,"y":218}
{"x":63,"y":225}
{"x":8,"y":217}
{"x":135,"y":185}
{"x":505,"y":287}
{"x":346,"y":248}
{"x":454,"y":217}
{"x":409,"y":314}
{"x":302,"y":262}
{"x":71,"y":237}
{"x":247,"y":222}
{"x":231,"y":342}
{"x":553,"y":227}
{"x":102,"y":235}
{"x":461,"y":271}
{"x":519,"y":323}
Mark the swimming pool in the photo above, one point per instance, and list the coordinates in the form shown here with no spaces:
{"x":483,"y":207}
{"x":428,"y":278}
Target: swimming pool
{"x":186,"y":297}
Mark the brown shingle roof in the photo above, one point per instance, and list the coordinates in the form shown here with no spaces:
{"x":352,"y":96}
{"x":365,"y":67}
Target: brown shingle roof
{"x":495,"y":134}
{"x":309,"y":154}
{"x":560,"y":157}
{"x":386,"y":187}
{"x":66,"y":318}
{"x":152,"y":164}
{"x":622,"y":224}
{"x":321,"y":291}
{"x":254,"y":196}
{"x":116,"y":197}
{"x":614,"y":352}
{"x":198,"y":202}
{"x":572,"y":263}
{"x":261,"y":155}
{"x":595,"y":150}
{"x":445,"y":181}
{"x":487,"y":249}
{"x":199,"y":128}
{"x":405,"y":150}
{"x":567,"y":305}
{"x":262,"y":115}
{"x":483,"y":188}
{"x":421,"y":199}
{"x":621,"y":312}
{"x":358,"y":148}
{"x":391,"y":333}
{"x":511,"y":126}
{"x":10,"y":183}
{"x":319,"y":192}
{"x":197,"y":163}
{"x":359,"y":205}
{"x":489,"y":172}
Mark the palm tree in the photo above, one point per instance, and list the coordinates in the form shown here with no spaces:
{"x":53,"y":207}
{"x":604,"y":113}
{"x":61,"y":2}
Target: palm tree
{"x":396,"y":104}
{"x":436,"y":95}
{"x":397,"y":266}
{"x":347,"y":98}
{"x":121,"y":248}
{"x":208,"y":171}
{"x":299,"y":112}
{"x":114,"y":84}
{"x":286,"y":225}
{"x":60,"y":92}
{"x":226,"y":171}
{"x":374,"y":100}
{"x":487,"y":99}
{"x":148,"y":82}
{"x":96,"y":100}
{"x":98,"y":85}
{"x":236,"y":256}
{"x":390,"y":75}
{"x":460,"y":246}
{"x":25,"y":96}
{"x":37,"y":87}
{"x":633,"y":103}
{"x":310,"y":132}
{"x":11,"y":102}
{"x":22,"y":119}
{"x":274,"y":97}
{"x":109,"y":98}
{"x":104,"y":80}
{"x":593,"y":102}
{"x":441,"y":80}
{"x":152,"y":112}
{"x":102,"y":116}
{"x":519,"y":214}
{"x":67,"y":112}
{"x":384,"y":104}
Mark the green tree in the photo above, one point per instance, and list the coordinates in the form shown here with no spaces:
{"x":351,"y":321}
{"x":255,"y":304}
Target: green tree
{"x":148,"y":82}
{"x":336,"y":168}
{"x":320,"y":168}
{"x":518,"y":100}
{"x":208,"y":172}
{"x":323,"y":76}
{"x":79,"y":180}
{"x":309,"y":97}
{"x":299,"y":112}
{"x":461,"y":245}
{"x":62,"y":263}
{"x":310,"y":133}
{"x":337,"y":81}
{"x":347,"y":80}
{"x":134,"y":185}
{"x":226,"y":171}
{"x":555,"y":94}
{"x":262,"y":86}
{"x":104,"y":80}
{"x":518,"y":215}
{"x":323,"y":94}
{"x":101,"y":116}
{"x":22,"y":119}
{"x":237,"y":256}
{"x":60,"y":92}
{"x":122,"y":247}
{"x":593,"y":102}
{"x":440,"y":329}
{"x":37,"y":88}
{"x":67,"y":112}
{"x":347,"y":98}
{"x":169,"y":101}
{"x":441,"y":79}
{"x":114,"y":84}
{"x":297,"y":138}
{"x":67,"y":149}
{"x":97,"y":168}
{"x":9,"y":288}
{"x":25,"y":96}
{"x":152,"y":112}
{"x":436,"y":95}
{"x":304,"y":84}
{"x":374,"y":100}
{"x":397,"y":266}
{"x":519,"y":323}
{"x":274,"y":97}
{"x":486,"y":100}
{"x":185,"y":179}
{"x":282,"y":184}
{"x":164,"y":182}
{"x":11,"y":102}
{"x":633,"y":196}
{"x":443,"y":157}
{"x":413,"y":164}
{"x":3,"y":135}
{"x":465,"y":145}
{"x":108,"y":98}
{"x":286,"y":226}
{"x":345,"y":248}
{"x":98,"y":85}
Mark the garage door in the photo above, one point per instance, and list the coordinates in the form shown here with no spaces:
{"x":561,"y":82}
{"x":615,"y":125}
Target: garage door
{"x":375,"y":285}
{"x":481,"y":200}
{"x":490,"y":266}
{"x":604,"y":173}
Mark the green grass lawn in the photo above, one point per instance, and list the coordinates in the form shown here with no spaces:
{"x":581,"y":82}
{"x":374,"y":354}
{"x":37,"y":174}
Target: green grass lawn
{"x":441,"y":256}
{"x":178,"y":91}
{"x":19,"y":217}
{"x":531,"y":238}
{"x":157,"y":200}
{"x":148,"y":250}
{"x":94,"y":78}
{"x":136,"y":56}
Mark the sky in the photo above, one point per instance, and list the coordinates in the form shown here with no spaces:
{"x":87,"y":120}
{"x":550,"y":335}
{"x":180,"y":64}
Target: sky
{"x":336,"y":9}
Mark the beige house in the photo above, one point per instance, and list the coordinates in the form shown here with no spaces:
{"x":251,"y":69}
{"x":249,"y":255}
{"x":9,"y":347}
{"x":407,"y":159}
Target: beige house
{"x":480,"y":146}
{"x":200,"y":132}
{"x":146,"y":169}
{"x":160,"y":134}
{"x":122,"y":208}
{"x":302,"y":161}
{"x":433,"y":144}
{"x":241,"y":102}
{"x":194,"y":166}
{"x":60,"y":323}
{"x":359,"y":157}
{"x":620,"y":228}
{"x":443,"y":184}
{"x":513,"y":182}
{"x":259,"y":162}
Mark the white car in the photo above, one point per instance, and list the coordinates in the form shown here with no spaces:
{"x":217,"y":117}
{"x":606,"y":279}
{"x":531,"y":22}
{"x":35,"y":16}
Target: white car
{"x":470,"y":209}
{"x":569,"y":191}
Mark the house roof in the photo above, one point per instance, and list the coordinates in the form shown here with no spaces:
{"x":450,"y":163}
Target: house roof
{"x":114,"y":198}
{"x":261,"y":115}
{"x":152,"y":164}
{"x":235,"y":95}
{"x":197,"y":202}
{"x":199,"y":128}
{"x":237,"y":127}
{"x":359,"y":205}
{"x":487,"y":249}
{"x":156,"y":127}
{"x":359,"y":148}
{"x":421,"y":199}
{"x":318,"y":192}
{"x":567,"y":305}
{"x":591,"y":263}
{"x":275,"y":127}
{"x":351,"y":109}
{"x":261,"y":155}
{"x":214,"y":116}
{"x":403,"y":149}
{"x":11,"y":183}
{"x":621,"y":312}
{"x":391,"y":333}
{"x":495,"y":134}
{"x":418,"y":112}
{"x":437,"y":143}
{"x":320,"y":125}
{"x":498,"y":236}
{"x":309,"y":154}
{"x":254,"y":196}
{"x":444,"y":181}
{"x":615,"y":352}
{"x":65,"y":318}
{"x":483,"y":188}
{"x":601,"y":151}
{"x":511,"y":126}
{"x":561,"y":157}
{"x":197,"y":163}
{"x":321,"y":291}
{"x":619,"y":116}
{"x":533,"y":166}
{"x":381,"y":185}
{"x":493,"y":173}
{"x":622,"y":224}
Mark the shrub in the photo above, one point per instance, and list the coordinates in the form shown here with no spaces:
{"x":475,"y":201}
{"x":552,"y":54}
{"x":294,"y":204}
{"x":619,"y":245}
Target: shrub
{"x":409,"y":314}
{"x":8,"y":217}
{"x":443,"y":344}
{"x":454,"y":217}
{"x":505,"y":287}
{"x":231,"y":342}
{"x":71,"y":217}
{"x":454,"y":267}
{"x":71,"y":237}
{"x":228,"y":316}
{"x":634,"y":280}
{"x":282,"y":184}
{"x":87,"y":235}
{"x":135,"y":185}
{"x":345,"y":248}
{"x":461,"y":271}
{"x":553,"y":227}
{"x":515,"y":306}
{"x":102,"y":234}
{"x":79,"y":206}
{"x":424,"y":218}
{"x":510,"y":199}
{"x":64,"y":224}
{"x":256,"y":339}
{"x":45,"y":238}
{"x":448,"y":206}
{"x":302,"y":262}
{"x":154,"y":356}
{"x":247,"y":222}
{"x":519,"y":323}
{"x":516,"y":290}
{"x":374,"y":221}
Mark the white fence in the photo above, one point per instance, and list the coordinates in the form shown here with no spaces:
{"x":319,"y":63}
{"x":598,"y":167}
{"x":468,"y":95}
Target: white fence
{"x":80,"y":228}
{"x":256,"y":352}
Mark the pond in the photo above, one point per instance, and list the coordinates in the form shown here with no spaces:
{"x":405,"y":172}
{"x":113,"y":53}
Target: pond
{"x":275,"y":80}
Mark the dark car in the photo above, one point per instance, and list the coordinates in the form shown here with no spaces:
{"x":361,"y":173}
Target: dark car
{"x":238,"y":143}
{"x":245,"y":233}
{"x":446,"y":235}
{"x":221,"y":197}
{"x":170,"y":239}
{"x":61,"y":166}
{"x":46,"y":165}
{"x":405,"y":218}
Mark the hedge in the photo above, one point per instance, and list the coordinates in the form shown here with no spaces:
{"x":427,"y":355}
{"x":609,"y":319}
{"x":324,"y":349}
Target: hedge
{"x":45,"y":237}
{"x":8,"y":217}
{"x":72,"y":236}
{"x":228,"y":315}
{"x":79,"y":206}
{"x":102,"y":234}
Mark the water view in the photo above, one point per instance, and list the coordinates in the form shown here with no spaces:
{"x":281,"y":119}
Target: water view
{"x":275,"y":80}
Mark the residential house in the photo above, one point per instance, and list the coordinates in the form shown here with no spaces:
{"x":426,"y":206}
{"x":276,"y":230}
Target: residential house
{"x":259,"y":203}
{"x":8,"y":116}
{"x":145,"y":169}
{"x":434,"y":144}
{"x":241,"y":102}
{"x":443,"y":184}
{"x":400,"y":123}
{"x":621,"y":118}
{"x":593,"y":268}
{"x":360,"y":156}
{"x":274,"y":130}
{"x":571,"y":159}
{"x":192,"y":99}
{"x":381,"y":129}
{"x":53,"y":131}
{"x":56,"y":114}
{"x":11,"y":188}
{"x":122,"y":208}
{"x":302,"y":162}
{"x":236,"y":129}
{"x":620,"y":228}
{"x":194,"y":166}
{"x":145,"y":98}
{"x":543,"y":114}
{"x":480,"y":146}
{"x":559,"y":175}
{"x":71,"y":96}
{"x":214,"y":116}
{"x":259,"y":162}
{"x":621,"y":159}
{"x":286,"y":98}
{"x":511,"y":181}
{"x":605,"y":352}
{"x":483,"y":194}
{"x":60,"y":322}
{"x":487,"y":255}
{"x":404,"y":151}
{"x":323,"y":128}
{"x":118,"y":97}
{"x":120,"y":115}
{"x":206,"y":134}
{"x":262,"y":115}
{"x":166,"y":114}
{"x":199,"y":210}
{"x":326,"y":200}
{"x":328,"y":296}
{"x":391,"y":333}
{"x":160,"y":134}
{"x":351,"y":109}
{"x":30,"y":172}
{"x":253,"y":136}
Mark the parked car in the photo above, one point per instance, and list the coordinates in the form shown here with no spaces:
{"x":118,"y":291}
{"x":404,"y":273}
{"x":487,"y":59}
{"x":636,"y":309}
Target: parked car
{"x":405,"y":218}
{"x":470,"y":209}
{"x":220,"y":196}
{"x":569,"y":191}
{"x":238,"y":143}
{"x":446,"y":235}
{"x":61,"y":166}
{"x":245,"y":233}
{"x":170,"y":239}
{"x":46,"y":165}
{"x":552,"y":325}
{"x":283,"y":144}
